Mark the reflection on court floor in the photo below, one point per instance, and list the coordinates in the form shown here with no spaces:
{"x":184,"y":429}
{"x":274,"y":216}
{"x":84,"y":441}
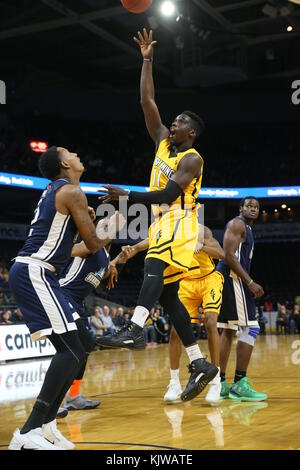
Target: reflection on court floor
{"x":133,"y":415}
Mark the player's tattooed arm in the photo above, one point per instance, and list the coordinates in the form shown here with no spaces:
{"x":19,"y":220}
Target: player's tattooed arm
{"x":234,"y":235}
{"x":71,"y":199}
{"x":157,"y":130}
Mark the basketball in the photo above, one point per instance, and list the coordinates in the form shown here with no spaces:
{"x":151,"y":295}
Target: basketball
{"x":136,"y":6}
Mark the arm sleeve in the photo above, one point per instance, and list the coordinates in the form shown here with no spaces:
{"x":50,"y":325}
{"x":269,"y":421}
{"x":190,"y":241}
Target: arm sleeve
{"x":164,"y":196}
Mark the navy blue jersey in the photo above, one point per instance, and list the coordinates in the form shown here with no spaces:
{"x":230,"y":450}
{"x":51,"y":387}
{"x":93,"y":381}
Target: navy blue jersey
{"x":244,"y":253}
{"x":51,"y":234}
{"x":83,"y":275}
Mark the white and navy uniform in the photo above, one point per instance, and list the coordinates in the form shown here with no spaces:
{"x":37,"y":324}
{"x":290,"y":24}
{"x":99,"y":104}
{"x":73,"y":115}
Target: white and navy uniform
{"x":238,"y":304}
{"x":33,"y":278}
{"x":81,"y":277}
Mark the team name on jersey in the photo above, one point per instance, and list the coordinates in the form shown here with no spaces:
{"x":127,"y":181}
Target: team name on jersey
{"x":95,"y":278}
{"x":163,"y":167}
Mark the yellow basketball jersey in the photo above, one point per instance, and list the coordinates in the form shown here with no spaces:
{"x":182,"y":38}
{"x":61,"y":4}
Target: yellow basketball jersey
{"x":165,"y":165}
{"x":201,"y":266}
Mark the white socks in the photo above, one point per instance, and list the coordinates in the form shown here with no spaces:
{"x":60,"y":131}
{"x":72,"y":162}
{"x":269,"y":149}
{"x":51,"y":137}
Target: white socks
{"x":193,"y":352}
{"x":140,"y":315}
{"x":174,"y":373}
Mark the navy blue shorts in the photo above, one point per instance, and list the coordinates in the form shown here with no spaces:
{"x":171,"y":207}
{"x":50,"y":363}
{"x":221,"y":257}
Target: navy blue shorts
{"x":40,"y":298}
{"x":238,"y":305}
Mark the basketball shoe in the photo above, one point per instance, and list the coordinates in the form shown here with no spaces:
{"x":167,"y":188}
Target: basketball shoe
{"x":129,"y":336}
{"x":214,"y":392}
{"x":80,"y":403}
{"x":62,"y":412}
{"x":173,"y":393}
{"x":224,"y":390}
{"x":202,"y":372}
{"x":241,"y":391}
{"x":53,"y":435}
{"x":32,"y":440}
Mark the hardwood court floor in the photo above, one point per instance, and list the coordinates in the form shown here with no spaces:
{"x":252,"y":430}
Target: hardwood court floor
{"x":133,"y":416}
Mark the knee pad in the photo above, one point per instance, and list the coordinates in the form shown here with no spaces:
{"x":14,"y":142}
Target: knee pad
{"x":249,"y":335}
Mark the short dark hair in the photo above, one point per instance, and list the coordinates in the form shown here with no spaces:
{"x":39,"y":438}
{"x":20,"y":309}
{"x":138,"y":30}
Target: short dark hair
{"x":197,"y":122}
{"x":242,"y":201}
{"x":49,"y":163}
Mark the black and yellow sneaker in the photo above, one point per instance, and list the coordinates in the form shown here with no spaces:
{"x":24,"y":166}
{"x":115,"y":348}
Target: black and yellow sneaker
{"x":130,"y":336}
{"x":202,"y":372}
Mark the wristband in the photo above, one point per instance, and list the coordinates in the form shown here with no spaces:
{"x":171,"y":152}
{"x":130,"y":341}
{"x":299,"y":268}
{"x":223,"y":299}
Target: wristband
{"x":148,"y":60}
{"x":249,"y":283}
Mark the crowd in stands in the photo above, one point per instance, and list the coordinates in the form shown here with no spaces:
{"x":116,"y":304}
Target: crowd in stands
{"x":123,"y":153}
{"x":107,"y":320}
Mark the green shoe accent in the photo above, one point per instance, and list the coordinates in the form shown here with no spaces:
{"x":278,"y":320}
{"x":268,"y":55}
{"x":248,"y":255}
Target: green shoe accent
{"x":224,"y":390}
{"x":241,"y":391}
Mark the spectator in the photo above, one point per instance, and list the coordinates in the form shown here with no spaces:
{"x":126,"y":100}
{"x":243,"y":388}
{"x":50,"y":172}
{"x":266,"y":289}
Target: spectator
{"x":113,"y":314}
{"x":268,"y":305}
{"x":119,"y":319}
{"x":96,"y":323}
{"x":294,"y":320}
{"x":161,"y":326}
{"x":149,"y":330}
{"x":17,"y":316}
{"x":127,"y":316}
{"x":107,"y":321}
{"x":282,"y":320}
{"x":6,"y":318}
{"x":262,"y":320}
{"x":3,"y":276}
{"x":297,"y":300}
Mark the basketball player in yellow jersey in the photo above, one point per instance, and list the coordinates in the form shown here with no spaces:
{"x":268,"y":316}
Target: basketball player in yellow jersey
{"x":201,"y":285}
{"x":175,"y":183}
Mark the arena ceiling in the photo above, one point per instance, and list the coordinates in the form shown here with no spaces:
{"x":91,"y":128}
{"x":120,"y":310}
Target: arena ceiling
{"x":88,"y":43}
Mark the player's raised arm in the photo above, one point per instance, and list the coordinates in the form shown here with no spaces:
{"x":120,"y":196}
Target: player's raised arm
{"x":234,"y":235}
{"x":155,"y":127}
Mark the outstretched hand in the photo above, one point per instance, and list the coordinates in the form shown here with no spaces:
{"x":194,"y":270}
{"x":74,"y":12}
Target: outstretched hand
{"x":146,"y":43}
{"x":112,"y":193}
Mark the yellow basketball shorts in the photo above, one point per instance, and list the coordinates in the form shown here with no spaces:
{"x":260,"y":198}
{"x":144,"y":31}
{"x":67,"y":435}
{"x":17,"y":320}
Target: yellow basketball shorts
{"x":206,"y":291}
{"x":172,"y":238}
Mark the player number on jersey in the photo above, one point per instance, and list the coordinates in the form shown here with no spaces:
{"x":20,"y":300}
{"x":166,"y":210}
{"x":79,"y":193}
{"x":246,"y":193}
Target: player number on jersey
{"x":156,"y":177}
{"x":36,"y":213}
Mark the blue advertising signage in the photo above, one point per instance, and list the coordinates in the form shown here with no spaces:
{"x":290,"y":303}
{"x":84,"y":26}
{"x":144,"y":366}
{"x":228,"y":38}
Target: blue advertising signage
{"x":34,"y":182}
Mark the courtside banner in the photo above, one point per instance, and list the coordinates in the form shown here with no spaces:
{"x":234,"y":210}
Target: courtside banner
{"x":16,"y":343}
{"x":34,"y":182}
{"x":22,"y":380}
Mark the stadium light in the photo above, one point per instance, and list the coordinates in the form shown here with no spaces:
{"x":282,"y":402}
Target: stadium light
{"x":37,"y":146}
{"x":167,"y":8}
{"x":289,"y":28}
